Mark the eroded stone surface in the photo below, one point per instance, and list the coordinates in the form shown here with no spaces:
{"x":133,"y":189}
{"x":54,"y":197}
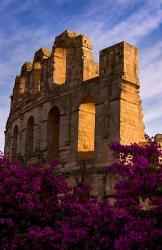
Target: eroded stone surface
{"x":77,"y":107}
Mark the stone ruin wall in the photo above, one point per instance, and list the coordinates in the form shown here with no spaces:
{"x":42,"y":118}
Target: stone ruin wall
{"x":64,"y":105}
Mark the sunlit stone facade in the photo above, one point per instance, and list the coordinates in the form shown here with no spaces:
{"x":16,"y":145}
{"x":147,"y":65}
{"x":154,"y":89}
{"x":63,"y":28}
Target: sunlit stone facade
{"x":65,"y":105}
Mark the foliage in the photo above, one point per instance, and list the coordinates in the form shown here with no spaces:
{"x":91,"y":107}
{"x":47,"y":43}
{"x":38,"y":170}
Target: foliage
{"x":40,"y":210}
{"x":138,"y":195}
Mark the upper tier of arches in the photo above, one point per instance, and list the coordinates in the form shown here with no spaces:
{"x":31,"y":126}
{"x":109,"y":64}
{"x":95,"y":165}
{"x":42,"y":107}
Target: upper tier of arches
{"x":70,"y":62}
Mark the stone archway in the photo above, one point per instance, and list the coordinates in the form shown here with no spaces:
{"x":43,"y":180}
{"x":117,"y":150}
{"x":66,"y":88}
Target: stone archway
{"x":14,"y":142}
{"x":53,"y":133}
{"x":86,"y":127}
{"x":29,"y":137}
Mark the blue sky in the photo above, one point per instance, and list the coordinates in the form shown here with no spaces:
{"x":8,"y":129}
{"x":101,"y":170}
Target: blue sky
{"x":27,"y":25}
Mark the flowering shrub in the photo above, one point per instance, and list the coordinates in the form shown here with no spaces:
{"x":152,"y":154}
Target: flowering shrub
{"x":138,"y":196}
{"x":40,"y":210}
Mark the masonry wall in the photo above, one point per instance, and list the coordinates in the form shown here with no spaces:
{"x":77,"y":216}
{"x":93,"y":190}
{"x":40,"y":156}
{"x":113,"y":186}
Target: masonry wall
{"x":97,"y":104}
{"x":86,"y":127}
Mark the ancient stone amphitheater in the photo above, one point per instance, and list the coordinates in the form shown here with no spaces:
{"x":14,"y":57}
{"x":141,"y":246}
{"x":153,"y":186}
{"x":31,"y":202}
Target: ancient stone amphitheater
{"x":64,"y":105}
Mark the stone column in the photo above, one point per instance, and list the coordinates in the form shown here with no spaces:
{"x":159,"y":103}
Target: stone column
{"x":119,"y":67}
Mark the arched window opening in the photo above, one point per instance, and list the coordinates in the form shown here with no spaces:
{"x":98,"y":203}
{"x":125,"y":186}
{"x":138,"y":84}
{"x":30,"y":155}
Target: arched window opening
{"x":60,"y":53}
{"x":53,"y":133}
{"x":22,"y":85}
{"x":36,"y":76}
{"x":86,"y":126}
{"x":29,"y":137}
{"x":14,"y":142}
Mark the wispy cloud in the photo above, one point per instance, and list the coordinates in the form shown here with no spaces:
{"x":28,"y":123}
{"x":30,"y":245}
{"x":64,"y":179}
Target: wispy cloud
{"x":154,"y":127}
{"x":133,"y":27}
{"x":22,"y":51}
{"x":151,"y":71}
{"x":5,"y":3}
{"x":153,"y":108}
{"x":4,"y":111}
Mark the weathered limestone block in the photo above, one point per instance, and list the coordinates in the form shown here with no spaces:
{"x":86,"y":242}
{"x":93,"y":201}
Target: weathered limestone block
{"x":39,"y":71}
{"x":25,"y":76}
{"x":22,"y":84}
{"x":72,"y":60}
{"x":15,"y":96}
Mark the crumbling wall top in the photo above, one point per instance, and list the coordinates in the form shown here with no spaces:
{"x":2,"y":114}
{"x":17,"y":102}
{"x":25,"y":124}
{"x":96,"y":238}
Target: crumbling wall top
{"x":42,"y":53}
{"x":27,"y":66}
{"x":70,"y":38}
{"x":71,"y":62}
